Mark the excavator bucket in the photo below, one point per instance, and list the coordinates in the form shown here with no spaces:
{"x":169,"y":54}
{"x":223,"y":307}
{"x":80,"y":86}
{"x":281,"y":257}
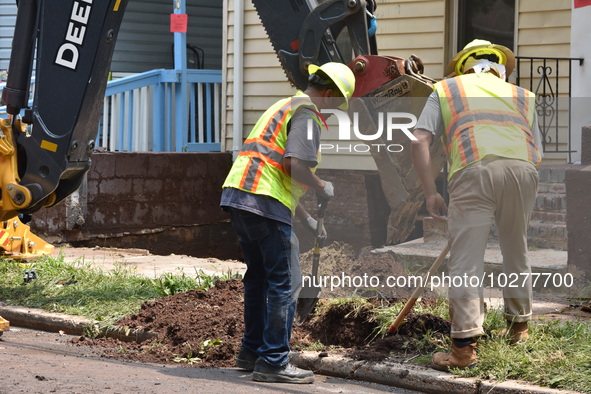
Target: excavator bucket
{"x":394,"y":85}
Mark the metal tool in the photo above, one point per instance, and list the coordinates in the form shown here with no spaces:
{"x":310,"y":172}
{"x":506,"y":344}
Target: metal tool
{"x":417,"y":292}
{"x":310,"y":292}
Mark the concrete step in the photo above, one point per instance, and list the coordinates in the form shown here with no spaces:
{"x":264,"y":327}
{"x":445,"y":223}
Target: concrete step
{"x":548,"y":235}
{"x":552,"y":174}
{"x":418,"y":256}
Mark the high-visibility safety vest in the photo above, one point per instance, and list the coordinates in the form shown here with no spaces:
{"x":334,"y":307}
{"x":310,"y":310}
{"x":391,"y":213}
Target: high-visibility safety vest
{"x":258,"y":168}
{"x":484,"y":115}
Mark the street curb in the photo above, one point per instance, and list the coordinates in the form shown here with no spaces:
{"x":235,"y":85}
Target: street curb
{"x":409,"y":376}
{"x":39,"y":319}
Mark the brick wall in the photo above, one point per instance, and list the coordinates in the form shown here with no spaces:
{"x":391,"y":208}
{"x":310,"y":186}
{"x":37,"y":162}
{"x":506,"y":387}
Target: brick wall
{"x":164,"y":202}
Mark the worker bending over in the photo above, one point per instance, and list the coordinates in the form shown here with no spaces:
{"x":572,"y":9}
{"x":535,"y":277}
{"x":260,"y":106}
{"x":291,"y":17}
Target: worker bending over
{"x":490,"y":135}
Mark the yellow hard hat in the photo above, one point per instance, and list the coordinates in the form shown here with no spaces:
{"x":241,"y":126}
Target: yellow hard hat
{"x":481,"y":47}
{"x":341,"y":75}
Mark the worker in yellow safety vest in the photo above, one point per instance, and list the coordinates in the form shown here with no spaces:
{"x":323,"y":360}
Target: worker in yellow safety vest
{"x":489,"y":132}
{"x":272,"y":171}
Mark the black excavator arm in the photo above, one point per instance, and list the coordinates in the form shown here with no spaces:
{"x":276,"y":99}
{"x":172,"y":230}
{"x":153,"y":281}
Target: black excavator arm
{"x":46,"y":152}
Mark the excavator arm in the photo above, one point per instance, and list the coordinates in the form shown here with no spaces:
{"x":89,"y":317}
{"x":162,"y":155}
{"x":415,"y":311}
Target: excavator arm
{"x":71,"y":43}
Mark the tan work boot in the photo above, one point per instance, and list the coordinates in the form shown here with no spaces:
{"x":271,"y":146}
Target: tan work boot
{"x":515,"y":332}
{"x":459,"y":357}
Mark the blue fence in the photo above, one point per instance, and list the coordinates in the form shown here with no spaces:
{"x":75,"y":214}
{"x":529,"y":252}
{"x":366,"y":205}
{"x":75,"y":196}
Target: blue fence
{"x":162,"y":111}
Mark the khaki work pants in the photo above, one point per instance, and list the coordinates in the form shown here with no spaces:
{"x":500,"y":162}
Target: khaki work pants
{"x":499,"y":190}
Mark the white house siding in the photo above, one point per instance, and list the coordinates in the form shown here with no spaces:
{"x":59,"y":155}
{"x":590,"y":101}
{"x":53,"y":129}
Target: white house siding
{"x":413,"y":27}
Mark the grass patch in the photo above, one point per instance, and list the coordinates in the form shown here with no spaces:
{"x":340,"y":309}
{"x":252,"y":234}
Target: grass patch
{"x":557,"y":355}
{"x":79,"y":288}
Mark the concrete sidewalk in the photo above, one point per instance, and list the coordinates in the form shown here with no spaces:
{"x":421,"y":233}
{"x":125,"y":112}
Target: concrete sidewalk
{"x":148,"y":264}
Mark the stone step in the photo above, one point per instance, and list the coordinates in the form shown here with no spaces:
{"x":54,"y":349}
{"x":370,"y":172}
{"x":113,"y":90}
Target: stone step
{"x":547,"y":235}
{"x":552,"y":235}
{"x":548,"y":202}
{"x":552,"y":174}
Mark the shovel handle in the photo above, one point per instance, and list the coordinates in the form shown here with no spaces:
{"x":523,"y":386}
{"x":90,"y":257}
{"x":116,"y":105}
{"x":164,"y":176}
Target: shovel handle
{"x":319,"y":241}
{"x":417,"y":292}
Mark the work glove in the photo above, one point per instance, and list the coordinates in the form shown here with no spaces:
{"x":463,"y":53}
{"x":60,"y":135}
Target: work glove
{"x":327,"y":192}
{"x":312,"y":224}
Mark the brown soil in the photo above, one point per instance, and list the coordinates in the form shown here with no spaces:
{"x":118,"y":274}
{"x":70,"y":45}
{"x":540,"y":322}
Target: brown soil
{"x":186,"y":322}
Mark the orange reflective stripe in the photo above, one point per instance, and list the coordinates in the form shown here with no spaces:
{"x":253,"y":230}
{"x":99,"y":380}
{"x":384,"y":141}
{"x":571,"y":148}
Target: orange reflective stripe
{"x":270,"y":130}
{"x":273,"y":127}
{"x":449,"y":98}
{"x":262,"y":156}
{"x":252,"y":174}
{"x":519,"y":100}
{"x":278,"y":127}
{"x":4,"y":238}
{"x":455,"y":95}
{"x":267,"y":144}
{"x":461,"y":95}
{"x":484,"y":117}
{"x":257,"y":176}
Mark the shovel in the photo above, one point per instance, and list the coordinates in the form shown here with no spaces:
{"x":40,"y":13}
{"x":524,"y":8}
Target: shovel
{"x":417,"y":292}
{"x":310,"y":292}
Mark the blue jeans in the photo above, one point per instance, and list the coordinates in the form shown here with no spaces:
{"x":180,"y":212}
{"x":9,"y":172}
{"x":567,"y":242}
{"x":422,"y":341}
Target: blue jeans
{"x":271,"y":284}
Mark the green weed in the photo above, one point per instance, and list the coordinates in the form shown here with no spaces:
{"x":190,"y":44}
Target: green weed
{"x":191,"y":358}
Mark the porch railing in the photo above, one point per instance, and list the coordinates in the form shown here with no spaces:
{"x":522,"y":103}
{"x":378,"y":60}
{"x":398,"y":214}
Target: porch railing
{"x":144,"y":112}
{"x":151,"y":112}
{"x":550,"y":79}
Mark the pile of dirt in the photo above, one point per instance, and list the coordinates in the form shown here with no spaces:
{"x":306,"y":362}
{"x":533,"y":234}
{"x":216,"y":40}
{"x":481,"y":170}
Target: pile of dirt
{"x":195,"y":326}
{"x":205,"y":327}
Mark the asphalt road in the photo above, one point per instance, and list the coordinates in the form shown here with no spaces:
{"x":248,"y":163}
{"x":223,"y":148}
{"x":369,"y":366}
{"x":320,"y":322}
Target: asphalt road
{"x":42,"y":362}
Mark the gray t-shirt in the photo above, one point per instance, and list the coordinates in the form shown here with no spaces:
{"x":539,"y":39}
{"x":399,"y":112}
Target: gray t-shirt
{"x":303,"y":137}
{"x":432,"y":121}
{"x":303,"y":142}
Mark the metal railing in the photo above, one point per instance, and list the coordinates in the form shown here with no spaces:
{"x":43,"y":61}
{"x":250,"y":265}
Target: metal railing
{"x":146,"y":112}
{"x":153,"y":112}
{"x":543,"y":77}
